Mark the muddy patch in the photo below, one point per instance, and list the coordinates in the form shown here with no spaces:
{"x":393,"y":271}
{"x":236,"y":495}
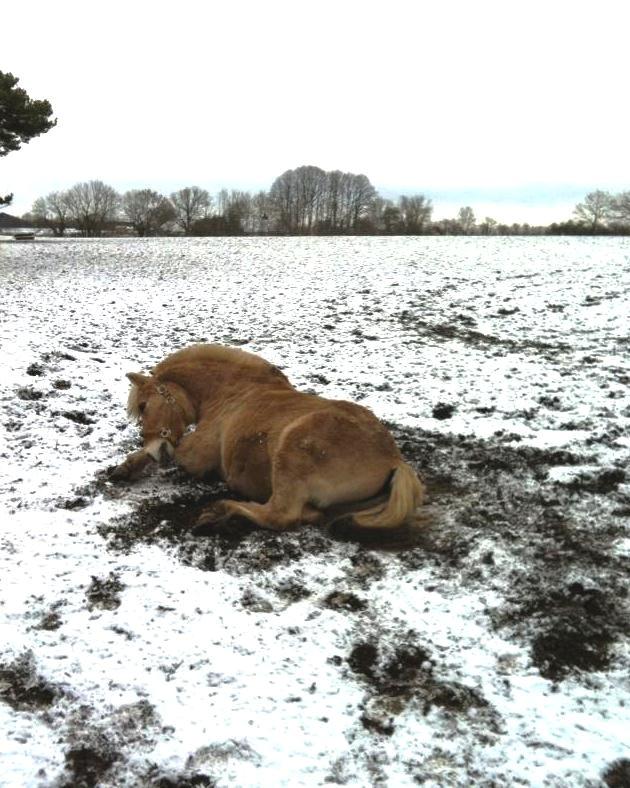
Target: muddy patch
{"x":23,"y":689}
{"x":104,"y":592}
{"x":551,"y":545}
{"x":344,"y":600}
{"x":617,"y":775}
{"x":495,"y":518}
{"x":194,"y":781}
{"x":86,"y":766}
{"x":445,"y":332}
{"x":407,"y":673}
{"x":236,"y":547}
{"x":99,"y":746}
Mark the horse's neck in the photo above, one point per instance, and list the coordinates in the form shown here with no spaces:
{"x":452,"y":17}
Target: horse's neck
{"x":209,"y":386}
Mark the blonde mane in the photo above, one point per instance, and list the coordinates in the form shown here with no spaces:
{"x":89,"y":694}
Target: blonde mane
{"x":133,"y":410}
{"x":196,"y":354}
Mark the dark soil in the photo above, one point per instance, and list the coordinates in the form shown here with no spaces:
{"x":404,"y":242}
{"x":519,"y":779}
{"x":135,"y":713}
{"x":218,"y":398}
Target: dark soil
{"x":104,"y":593}
{"x":395,"y":678}
{"x":184,"y":782}
{"x":23,"y":689}
{"x":451,"y":331}
{"x":617,"y":775}
{"x":29,"y":394}
{"x":344,"y":600}
{"x":78,"y":417}
{"x":87,"y":766}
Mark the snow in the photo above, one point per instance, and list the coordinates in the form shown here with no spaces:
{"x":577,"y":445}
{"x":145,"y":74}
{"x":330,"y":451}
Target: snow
{"x":526,"y":339}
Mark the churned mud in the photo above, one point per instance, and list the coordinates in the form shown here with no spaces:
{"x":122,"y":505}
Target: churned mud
{"x":567,"y":596}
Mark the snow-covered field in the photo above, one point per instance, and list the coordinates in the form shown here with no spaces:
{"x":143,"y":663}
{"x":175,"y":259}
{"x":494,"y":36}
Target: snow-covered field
{"x":489,"y":648}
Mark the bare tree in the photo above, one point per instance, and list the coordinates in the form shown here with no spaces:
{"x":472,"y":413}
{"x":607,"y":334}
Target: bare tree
{"x":415,"y":213}
{"x":92,"y":206}
{"x":147,"y":210}
{"x":53,"y":212}
{"x":282,"y":198}
{"x":190,"y":204}
{"x":488,"y":226}
{"x":595,"y":210}
{"x":392,"y":223}
{"x":362,"y":195}
{"x":262,"y":212}
{"x":620,"y":207}
{"x":237,"y":210}
{"x":466,"y":219}
{"x":310,"y":200}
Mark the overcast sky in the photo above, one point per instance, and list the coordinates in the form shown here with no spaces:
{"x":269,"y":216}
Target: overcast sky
{"x":515,"y":107}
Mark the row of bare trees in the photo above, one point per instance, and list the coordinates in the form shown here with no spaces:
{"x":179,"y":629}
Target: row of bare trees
{"x":307,"y":200}
{"x":93,"y":207}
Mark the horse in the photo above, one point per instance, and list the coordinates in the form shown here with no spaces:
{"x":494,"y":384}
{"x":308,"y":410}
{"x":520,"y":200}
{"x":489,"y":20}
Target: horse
{"x":294,"y":457}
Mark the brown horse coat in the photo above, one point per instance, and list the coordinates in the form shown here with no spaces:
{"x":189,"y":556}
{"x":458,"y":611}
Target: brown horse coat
{"x":293,"y":456}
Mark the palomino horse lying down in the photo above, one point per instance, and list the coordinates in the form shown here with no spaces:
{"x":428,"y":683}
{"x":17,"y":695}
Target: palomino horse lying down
{"x":295,"y":457}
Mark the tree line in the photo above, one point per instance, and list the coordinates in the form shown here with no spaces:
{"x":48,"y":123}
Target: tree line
{"x":303,"y":201}
{"x":306,"y":200}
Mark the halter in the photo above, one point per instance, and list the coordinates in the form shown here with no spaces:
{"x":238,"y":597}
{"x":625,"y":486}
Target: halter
{"x":161,"y":389}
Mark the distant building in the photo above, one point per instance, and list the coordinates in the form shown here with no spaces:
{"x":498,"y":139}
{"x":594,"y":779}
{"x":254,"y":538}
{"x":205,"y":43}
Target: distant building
{"x":12,"y":225}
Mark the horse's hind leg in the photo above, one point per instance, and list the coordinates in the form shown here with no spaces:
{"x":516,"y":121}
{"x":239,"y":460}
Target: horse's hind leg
{"x":287,"y":507}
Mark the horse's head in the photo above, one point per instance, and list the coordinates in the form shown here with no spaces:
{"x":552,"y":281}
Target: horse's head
{"x":162,"y":408}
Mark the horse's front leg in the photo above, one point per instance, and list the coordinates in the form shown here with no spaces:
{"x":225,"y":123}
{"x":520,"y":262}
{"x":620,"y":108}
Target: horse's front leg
{"x":199,"y":452}
{"x":157,"y":452}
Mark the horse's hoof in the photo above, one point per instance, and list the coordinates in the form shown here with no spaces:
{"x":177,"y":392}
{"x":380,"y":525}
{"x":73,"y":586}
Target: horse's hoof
{"x":211,"y":515}
{"x":118,"y":473}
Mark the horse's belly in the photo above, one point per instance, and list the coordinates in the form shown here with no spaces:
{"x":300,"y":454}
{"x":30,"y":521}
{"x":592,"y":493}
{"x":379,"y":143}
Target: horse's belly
{"x":247,"y":468}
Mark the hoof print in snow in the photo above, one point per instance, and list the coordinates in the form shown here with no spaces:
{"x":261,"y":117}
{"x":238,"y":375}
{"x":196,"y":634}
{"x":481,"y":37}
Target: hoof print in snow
{"x":78,"y":417}
{"x":29,"y":394}
{"x":50,"y":621}
{"x":443,"y":411}
{"x":73,"y":504}
{"x":251,"y":600}
{"x":35,"y":370}
{"x":395,"y":677}
{"x":104,"y":593}
{"x":344,"y":600}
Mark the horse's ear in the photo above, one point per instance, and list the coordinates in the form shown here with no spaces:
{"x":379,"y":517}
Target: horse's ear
{"x":137,"y":379}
